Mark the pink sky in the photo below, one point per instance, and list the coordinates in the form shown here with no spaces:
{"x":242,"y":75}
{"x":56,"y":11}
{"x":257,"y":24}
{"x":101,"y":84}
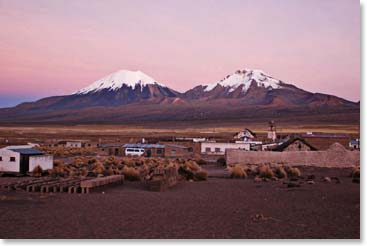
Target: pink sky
{"x":57,"y":47}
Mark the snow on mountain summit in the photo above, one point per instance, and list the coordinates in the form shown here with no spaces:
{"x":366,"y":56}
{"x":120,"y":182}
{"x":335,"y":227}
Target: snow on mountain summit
{"x":245,"y":78}
{"x":116,"y":80}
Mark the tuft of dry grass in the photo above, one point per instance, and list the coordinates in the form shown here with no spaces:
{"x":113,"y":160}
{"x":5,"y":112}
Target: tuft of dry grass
{"x":356,"y":172}
{"x":237,"y":172}
{"x":110,"y":171}
{"x":98,"y":168}
{"x":192,"y":165}
{"x":293,"y":172}
{"x":201,"y":175}
{"x":131,"y":173}
{"x":280,"y":172}
{"x":266,"y":172}
{"x":37,"y":171}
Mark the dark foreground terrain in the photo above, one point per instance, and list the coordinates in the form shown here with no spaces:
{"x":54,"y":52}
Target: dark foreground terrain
{"x":217,"y":208}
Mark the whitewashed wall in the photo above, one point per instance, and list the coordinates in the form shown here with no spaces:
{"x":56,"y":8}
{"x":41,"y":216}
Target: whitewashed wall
{"x":6,"y":165}
{"x":223,"y":147}
{"x":44,"y":161}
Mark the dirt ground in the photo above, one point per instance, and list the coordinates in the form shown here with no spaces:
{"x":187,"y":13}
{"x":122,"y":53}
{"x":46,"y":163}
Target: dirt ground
{"x":217,"y":208}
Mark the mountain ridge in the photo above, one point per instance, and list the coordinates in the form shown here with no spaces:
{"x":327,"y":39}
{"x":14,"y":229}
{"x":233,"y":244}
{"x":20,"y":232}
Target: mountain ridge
{"x":133,"y":93}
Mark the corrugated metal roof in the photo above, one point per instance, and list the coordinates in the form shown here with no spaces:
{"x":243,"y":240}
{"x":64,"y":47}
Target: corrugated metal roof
{"x":177,"y":146}
{"x":143,"y":146}
{"x":28,"y":151}
{"x":110,"y":145}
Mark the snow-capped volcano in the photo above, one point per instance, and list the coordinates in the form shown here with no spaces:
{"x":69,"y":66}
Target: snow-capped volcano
{"x":134,"y":96}
{"x":117,"y":80}
{"x":245,"y":78}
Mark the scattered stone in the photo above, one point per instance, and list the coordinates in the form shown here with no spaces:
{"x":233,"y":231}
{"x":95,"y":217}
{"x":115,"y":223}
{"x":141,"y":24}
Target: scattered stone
{"x":327,"y":179}
{"x":274,"y":179}
{"x":311,"y":182}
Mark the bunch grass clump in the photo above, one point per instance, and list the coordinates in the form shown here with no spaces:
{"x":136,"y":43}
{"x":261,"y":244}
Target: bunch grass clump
{"x":356,"y":172}
{"x":280,"y":172}
{"x":266,"y":172}
{"x":37,"y":171}
{"x":237,"y":172}
{"x":293,"y":172}
{"x":131,"y":173}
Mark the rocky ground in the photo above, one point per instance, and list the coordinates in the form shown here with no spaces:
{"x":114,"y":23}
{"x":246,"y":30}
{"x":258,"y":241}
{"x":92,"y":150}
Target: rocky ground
{"x":217,"y":208}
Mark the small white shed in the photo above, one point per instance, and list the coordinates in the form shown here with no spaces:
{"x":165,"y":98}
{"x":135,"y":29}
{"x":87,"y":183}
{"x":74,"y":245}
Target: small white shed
{"x":23,"y":159}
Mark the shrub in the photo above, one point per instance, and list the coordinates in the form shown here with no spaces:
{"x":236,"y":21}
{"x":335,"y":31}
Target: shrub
{"x":110,"y":171}
{"x":84,"y":172}
{"x":201,"y":175}
{"x":221,"y":161}
{"x":37,"y":171}
{"x":280,"y":172}
{"x":265,"y":172}
{"x":92,"y":160}
{"x":131,"y":173}
{"x":129,"y":162}
{"x":58,"y":163}
{"x":111,"y":161}
{"x":237,"y":172}
{"x":78,"y":161}
{"x":293,"y":172}
{"x":98,"y":168}
{"x":185,"y":172}
{"x":355,"y":172}
{"x":192,"y":165}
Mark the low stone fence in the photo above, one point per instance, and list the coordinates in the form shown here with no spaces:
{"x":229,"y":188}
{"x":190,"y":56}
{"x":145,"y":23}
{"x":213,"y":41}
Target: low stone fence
{"x":335,"y":156}
{"x":162,"y":179}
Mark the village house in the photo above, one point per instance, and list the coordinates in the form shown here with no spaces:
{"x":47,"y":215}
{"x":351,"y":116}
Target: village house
{"x":215,"y":148}
{"x":294,"y":143}
{"x":115,"y":149}
{"x":23,"y":159}
{"x":245,"y":135}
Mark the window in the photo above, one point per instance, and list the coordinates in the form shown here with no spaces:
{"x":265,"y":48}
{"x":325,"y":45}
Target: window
{"x":12,"y":159}
{"x":217,"y":150}
{"x":159,"y":151}
{"x":1,"y":158}
{"x":190,"y":149}
{"x":207,"y":149}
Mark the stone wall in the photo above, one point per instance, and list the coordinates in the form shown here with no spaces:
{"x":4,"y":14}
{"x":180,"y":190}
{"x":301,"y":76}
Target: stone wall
{"x":335,"y":156}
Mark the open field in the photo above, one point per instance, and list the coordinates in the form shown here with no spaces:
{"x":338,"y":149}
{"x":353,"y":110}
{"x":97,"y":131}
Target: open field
{"x":217,"y":208}
{"x":166,"y":129}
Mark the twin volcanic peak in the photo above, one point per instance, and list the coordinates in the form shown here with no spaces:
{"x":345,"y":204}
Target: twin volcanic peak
{"x":243,"y":88}
{"x":133,"y":79}
{"x":133,"y":96}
